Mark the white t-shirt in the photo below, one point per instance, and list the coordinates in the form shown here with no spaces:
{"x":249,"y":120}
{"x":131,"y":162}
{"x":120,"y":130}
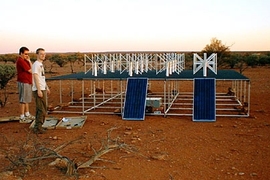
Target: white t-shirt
{"x":37,"y":68}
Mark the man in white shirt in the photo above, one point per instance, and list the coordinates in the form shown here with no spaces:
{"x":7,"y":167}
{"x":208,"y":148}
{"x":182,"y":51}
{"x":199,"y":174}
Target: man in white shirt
{"x":40,"y":90}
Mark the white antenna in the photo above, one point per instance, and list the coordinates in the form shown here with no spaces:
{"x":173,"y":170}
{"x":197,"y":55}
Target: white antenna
{"x":137,"y":63}
{"x":210,"y":62}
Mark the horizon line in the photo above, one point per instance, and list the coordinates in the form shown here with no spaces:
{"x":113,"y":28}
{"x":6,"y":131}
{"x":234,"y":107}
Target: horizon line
{"x":166,"y":51}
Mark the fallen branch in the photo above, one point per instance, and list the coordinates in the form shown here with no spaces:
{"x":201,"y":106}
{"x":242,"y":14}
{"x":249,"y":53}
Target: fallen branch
{"x":59,"y":148}
{"x":97,"y":156}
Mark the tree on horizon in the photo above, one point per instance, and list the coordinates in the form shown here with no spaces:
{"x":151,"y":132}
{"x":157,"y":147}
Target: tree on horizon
{"x":220,"y":49}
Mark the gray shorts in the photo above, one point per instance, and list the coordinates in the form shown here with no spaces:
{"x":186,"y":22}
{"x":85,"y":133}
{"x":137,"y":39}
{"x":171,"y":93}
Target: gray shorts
{"x":25,"y":92}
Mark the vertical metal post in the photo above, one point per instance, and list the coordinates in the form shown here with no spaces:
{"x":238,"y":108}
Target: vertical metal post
{"x":105,"y":67}
{"x":241,"y":91}
{"x":121,"y":90}
{"x":60,"y":89}
{"x":94,"y":96}
{"x":136,"y":67}
{"x":103,"y":89}
{"x":72,"y":91}
{"x":245,"y":91}
{"x":130,"y":67}
{"x":95,"y":68}
{"x":84,"y":63}
{"x":164,"y":98}
{"x":82,"y":97}
{"x":205,"y":65}
{"x":249,"y":97}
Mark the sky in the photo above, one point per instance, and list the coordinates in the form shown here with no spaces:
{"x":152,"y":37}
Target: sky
{"x":133,"y":25}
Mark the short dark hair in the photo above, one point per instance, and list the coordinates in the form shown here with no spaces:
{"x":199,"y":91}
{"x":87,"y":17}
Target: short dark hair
{"x":22,"y":49}
{"x":39,"y":49}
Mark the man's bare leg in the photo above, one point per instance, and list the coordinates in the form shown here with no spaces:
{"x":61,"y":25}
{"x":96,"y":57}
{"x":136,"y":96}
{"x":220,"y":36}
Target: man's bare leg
{"x":26,"y":108}
{"x":22,"y":108}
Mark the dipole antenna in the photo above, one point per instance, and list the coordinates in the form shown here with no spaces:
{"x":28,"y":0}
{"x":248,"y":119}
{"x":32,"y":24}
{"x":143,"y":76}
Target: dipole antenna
{"x":210,"y":62}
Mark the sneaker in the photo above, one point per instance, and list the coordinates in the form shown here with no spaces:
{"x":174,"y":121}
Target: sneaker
{"x":30,"y":117}
{"x":24,"y":120}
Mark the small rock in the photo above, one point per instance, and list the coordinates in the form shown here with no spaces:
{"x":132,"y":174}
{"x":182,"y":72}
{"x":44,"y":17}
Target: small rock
{"x":254,"y":174}
{"x":92,"y":171}
{"x":241,"y":174}
{"x":128,"y":128}
{"x":127,"y":133}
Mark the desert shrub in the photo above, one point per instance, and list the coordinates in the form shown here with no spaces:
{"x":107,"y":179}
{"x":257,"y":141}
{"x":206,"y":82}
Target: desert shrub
{"x":263,"y":60}
{"x":59,"y":59}
{"x":8,"y":58}
{"x":7,"y":72}
{"x":252,"y":60}
{"x":232,"y":60}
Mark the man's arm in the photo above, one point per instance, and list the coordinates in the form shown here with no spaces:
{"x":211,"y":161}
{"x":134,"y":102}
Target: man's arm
{"x":48,"y":89}
{"x":39,"y":92}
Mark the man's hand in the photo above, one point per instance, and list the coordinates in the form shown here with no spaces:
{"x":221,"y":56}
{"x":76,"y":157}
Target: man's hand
{"x":40,"y":94}
{"x":28,"y":58}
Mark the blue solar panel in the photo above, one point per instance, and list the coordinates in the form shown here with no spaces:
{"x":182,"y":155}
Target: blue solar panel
{"x":135,"y":101}
{"x":204,"y":102}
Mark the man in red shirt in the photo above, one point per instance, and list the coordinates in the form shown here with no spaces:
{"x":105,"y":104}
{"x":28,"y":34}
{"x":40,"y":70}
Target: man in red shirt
{"x":24,"y":80}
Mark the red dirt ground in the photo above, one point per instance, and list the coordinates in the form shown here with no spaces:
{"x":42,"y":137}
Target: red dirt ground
{"x":167,"y":148}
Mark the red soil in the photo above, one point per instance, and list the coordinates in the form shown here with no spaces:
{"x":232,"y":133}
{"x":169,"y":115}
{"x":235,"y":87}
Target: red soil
{"x":166,"y":148}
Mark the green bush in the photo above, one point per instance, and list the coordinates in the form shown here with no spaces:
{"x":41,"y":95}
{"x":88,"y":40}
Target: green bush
{"x":7,"y":72}
{"x":263,"y":60}
{"x":252,"y":60}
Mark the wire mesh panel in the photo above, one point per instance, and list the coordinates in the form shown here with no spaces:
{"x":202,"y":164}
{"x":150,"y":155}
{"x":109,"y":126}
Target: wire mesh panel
{"x":204,"y":103}
{"x":135,"y":100}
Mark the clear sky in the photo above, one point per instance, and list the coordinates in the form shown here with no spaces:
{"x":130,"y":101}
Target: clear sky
{"x":133,"y":25}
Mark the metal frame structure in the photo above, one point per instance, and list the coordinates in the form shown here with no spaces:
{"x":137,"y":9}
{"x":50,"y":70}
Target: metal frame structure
{"x":102,"y":94}
{"x":174,"y":101}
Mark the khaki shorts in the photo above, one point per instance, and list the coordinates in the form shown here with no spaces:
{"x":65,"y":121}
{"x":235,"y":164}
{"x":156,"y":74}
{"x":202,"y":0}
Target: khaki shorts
{"x":25,"y":92}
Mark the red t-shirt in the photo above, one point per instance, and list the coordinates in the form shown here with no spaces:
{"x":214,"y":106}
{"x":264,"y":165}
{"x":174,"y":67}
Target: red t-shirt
{"x":23,"y":66}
